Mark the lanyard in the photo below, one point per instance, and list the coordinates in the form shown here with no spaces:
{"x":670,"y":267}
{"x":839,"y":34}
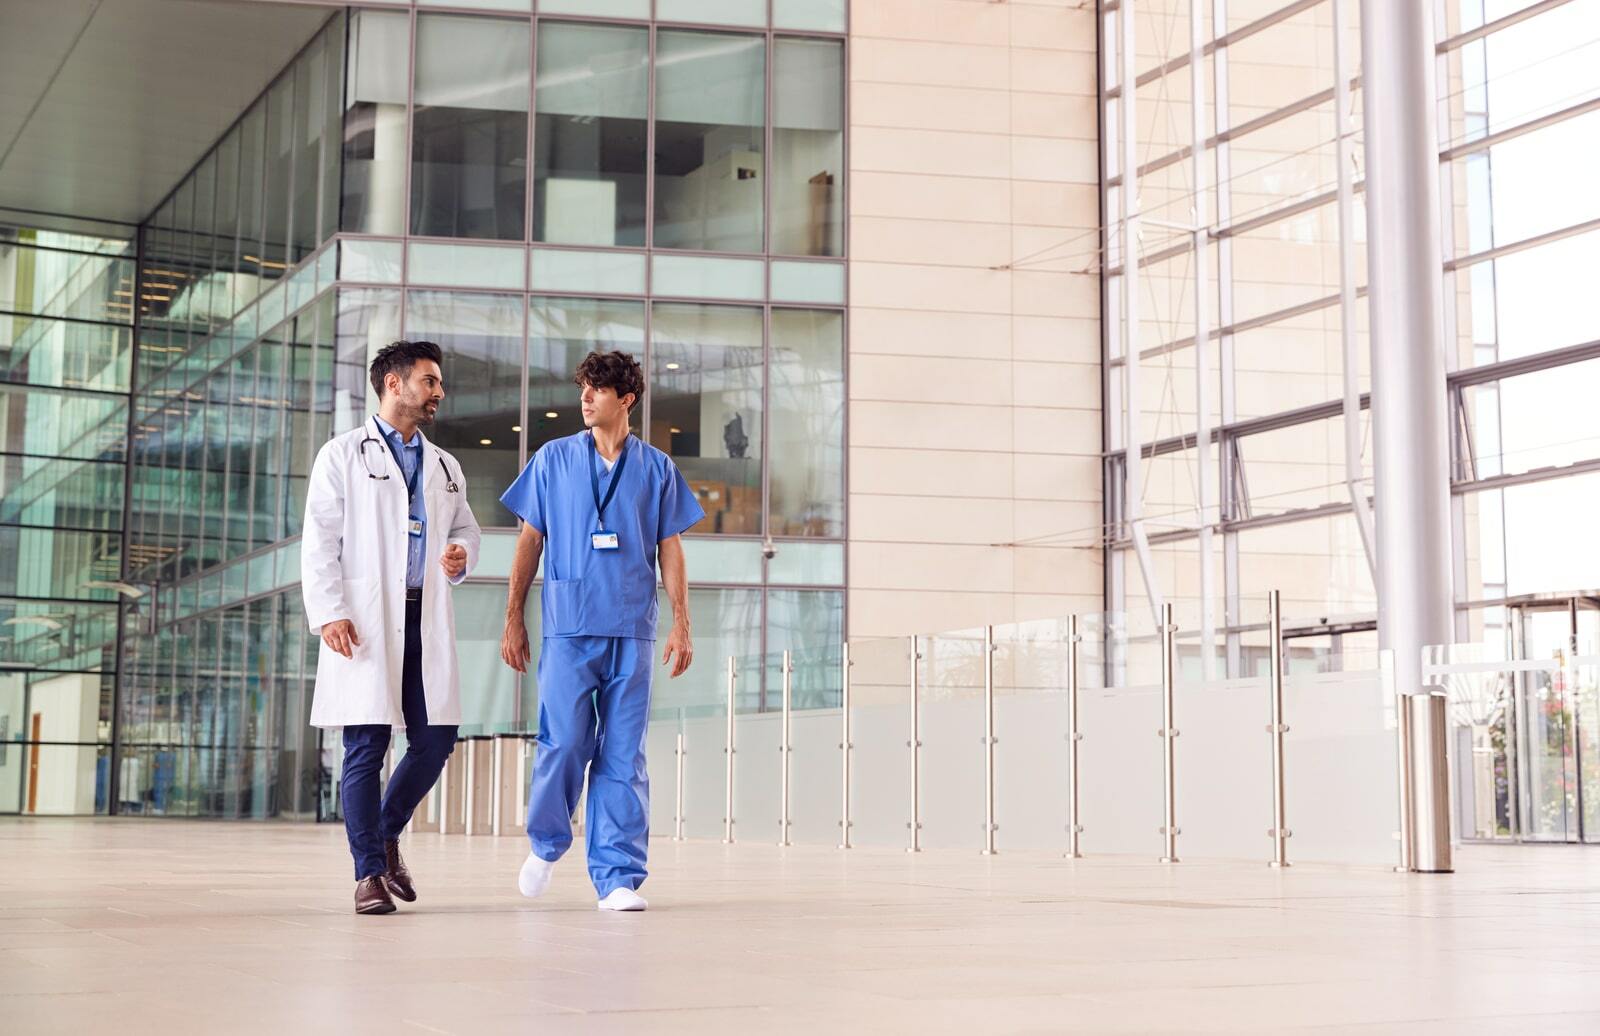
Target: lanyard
{"x":594,"y":480}
{"x":416,"y":473}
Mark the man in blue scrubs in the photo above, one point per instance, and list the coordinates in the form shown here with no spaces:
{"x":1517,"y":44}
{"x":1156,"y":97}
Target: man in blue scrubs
{"x":600,"y":506}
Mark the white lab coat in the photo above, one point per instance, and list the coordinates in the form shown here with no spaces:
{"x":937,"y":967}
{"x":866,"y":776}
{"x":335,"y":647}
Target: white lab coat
{"x":353,"y":566}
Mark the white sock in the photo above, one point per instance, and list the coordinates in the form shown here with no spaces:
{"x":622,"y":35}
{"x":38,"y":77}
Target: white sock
{"x":534,"y":877}
{"x":623,"y":899}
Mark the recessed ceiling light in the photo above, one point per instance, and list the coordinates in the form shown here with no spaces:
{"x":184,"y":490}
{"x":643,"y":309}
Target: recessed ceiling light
{"x":551,"y":413}
{"x":672,"y":366}
{"x":516,"y":428}
{"x":675,"y":431}
{"x":485,"y":442}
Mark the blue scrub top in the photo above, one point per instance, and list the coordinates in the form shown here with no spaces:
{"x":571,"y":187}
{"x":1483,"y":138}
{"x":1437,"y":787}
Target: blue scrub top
{"x":601,"y":593}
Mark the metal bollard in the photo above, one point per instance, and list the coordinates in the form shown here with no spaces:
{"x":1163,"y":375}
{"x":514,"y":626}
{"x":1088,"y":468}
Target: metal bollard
{"x":1169,"y":734}
{"x":845,"y":747}
{"x":727,"y":816}
{"x":1074,"y":829}
{"x":478,"y":815}
{"x":915,"y":745}
{"x":785,"y":749}
{"x":1430,"y":777}
{"x":507,"y":809}
{"x":989,"y":826}
{"x":452,"y":793}
{"x":1279,"y":832}
{"x":677,"y":809}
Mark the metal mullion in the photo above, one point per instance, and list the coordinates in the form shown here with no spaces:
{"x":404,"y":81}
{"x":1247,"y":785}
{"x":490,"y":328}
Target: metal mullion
{"x":1520,"y":365}
{"x":1513,"y":247}
{"x":1484,"y":143}
{"x":1226,"y":454}
{"x":1490,"y":28}
{"x":768,"y":142}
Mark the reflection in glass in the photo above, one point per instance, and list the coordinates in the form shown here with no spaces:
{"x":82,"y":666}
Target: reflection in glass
{"x":710,"y":104}
{"x":368,"y":320}
{"x":280,"y":147}
{"x":307,"y":138}
{"x":705,"y":408}
{"x":561,"y":332}
{"x":807,"y":401}
{"x":247,"y":250}
{"x":469,"y":146}
{"x":807,"y":147}
{"x":726,"y":622}
{"x":481,"y":338}
{"x":810,"y":624}
{"x":589,"y":159}
{"x":375,"y":122}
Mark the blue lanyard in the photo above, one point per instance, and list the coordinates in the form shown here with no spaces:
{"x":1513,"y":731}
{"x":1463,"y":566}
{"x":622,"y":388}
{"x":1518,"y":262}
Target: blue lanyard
{"x":594,"y":480}
{"x":416,"y":473}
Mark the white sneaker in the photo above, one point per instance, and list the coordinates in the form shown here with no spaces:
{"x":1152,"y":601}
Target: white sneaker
{"x":623,"y":898}
{"x":535,"y":876}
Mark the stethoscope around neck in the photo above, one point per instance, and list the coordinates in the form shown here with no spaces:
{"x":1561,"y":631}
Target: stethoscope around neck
{"x":450,"y":484}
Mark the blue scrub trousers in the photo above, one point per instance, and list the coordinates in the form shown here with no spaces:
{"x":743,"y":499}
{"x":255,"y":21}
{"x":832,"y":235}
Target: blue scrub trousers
{"x":368,"y":822}
{"x":594,"y":708}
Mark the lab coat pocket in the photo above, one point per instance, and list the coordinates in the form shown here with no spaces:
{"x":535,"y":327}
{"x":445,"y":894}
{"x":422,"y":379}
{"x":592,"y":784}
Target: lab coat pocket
{"x":365,"y":607}
{"x":563,"y":607}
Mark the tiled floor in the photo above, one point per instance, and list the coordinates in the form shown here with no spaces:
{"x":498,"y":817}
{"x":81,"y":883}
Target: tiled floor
{"x":138,"y":926}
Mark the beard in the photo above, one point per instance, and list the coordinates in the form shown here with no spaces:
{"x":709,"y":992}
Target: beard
{"x":418,"y":409}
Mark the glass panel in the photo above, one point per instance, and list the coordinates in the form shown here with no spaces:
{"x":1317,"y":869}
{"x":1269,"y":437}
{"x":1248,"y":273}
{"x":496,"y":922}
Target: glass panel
{"x":589,"y":159}
{"x":714,"y":12}
{"x":51,"y":423}
{"x":808,"y":282}
{"x":722,"y":561}
{"x":375,"y":122}
{"x":55,"y":635}
{"x":378,"y":261}
{"x":330,"y":137}
{"x":307,"y":134}
{"x":596,"y":8}
{"x":808,"y":147}
{"x":620,"y":273}
{"x":280,"y":145}
{"x":469,"y":266}
{"x":497,"y":5}
{"x":702,"y":277}
{"x":807,"y":423}
{"x":710,"y":91}
{"x":226,"y":228}
{"x":57,"y":353}
{"x":705,"y":408}
{"x":49,"y":283}
{"x":808,"y":563}
{"x":469,"y":146}
{"x":72,"y":494}
{"x":561,"y":332}
{"x":818,"y":15}
{"x":481,"y":337}
{"x":252,"y":167}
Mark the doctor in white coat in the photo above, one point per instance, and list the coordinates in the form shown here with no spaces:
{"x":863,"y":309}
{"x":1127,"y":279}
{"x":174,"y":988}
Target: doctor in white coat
{"x":387,"y":532}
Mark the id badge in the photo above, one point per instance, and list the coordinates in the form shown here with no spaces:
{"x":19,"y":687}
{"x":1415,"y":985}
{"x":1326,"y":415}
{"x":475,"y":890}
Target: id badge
{"x":603,"y":540}
{"x":416,"y":527}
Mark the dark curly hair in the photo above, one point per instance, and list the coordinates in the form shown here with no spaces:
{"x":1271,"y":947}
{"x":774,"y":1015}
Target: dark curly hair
{"x":617,"y":371}
{"x":398,"y":358}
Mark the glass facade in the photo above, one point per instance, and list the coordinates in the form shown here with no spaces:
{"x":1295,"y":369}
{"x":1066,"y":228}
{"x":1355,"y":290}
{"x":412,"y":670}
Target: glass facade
{"x":517,"y":189}
{"x":1272,"y":505}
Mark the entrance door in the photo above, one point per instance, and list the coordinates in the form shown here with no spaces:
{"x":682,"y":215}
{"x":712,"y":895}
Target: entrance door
{"x":1556,"y":722}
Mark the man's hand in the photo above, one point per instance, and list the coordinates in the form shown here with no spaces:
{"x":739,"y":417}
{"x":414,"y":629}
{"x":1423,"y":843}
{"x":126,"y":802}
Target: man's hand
{"x":678,"y":644}
{"x":514,"y":645}
{"x":454,"y":560}
{"x":340,"y":634}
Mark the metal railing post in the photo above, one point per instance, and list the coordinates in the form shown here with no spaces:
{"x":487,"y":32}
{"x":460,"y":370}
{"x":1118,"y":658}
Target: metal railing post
{"x":1074,"y":829}
{"x":677,"y":808}
{"x":989,"y":826}
{"x":784,"y":750}
{"x":1169,"y":734}
{"x":915,"y":745}
{"x":727,"y":816}
{"x":845,"y":747}
{"x":1277,"y":728}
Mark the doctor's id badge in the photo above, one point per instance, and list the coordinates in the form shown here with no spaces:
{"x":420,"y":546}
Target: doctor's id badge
{"x":603,"y":540}
{"x":415,"y":528}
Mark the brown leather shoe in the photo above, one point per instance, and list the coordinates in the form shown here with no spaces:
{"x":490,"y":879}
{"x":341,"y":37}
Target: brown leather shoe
{"x":372,"y":897}
{"x":395,"y":874}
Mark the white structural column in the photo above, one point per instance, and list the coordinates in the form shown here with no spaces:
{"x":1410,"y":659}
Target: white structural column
{"x":1409,"y":413}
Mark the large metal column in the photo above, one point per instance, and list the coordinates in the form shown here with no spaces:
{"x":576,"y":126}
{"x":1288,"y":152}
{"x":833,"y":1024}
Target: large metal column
{"x":1409,"y":414}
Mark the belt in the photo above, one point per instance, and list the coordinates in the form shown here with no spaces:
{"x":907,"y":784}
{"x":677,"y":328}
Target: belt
{"x":413,"y":593}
